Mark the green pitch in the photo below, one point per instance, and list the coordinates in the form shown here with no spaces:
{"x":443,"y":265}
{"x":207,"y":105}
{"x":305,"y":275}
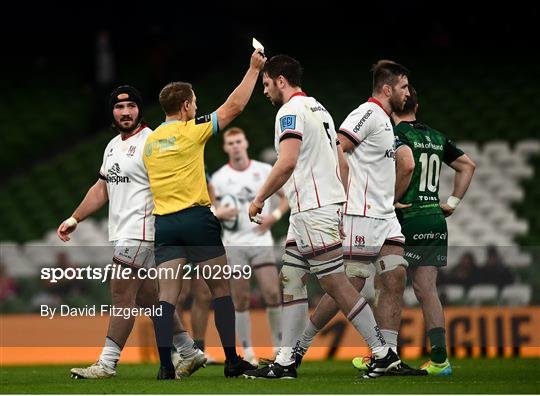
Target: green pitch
{"x":470,"y":376}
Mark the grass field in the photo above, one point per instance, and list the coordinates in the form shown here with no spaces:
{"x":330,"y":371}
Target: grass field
{"x":470,"y":376}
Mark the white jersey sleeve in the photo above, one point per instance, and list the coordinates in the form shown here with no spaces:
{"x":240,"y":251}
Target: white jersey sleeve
{"x":372,"y":172}
{"x":358,"y":124}
{"x":130,"y":199}
{"x":315,"y":180}
{"x":102,"y":169}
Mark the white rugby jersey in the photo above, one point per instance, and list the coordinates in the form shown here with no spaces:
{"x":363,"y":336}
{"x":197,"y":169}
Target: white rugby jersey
{"x":315,"y":181}
{"x":130,"y":198}
{"x":243,"y":185}
{"x":372,"y":171}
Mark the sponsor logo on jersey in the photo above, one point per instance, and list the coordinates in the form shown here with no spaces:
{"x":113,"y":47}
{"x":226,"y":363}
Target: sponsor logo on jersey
{"x":390,"y":153}
{"x":428,"y":146}
{"x":287,"y":122}
{"x":109,"y":154}
{"x":114,"y":176}
{"x":362,"y":121}
{"x":161,"y":144}
{"x":246,"y":194}
{"x":317,"y":108}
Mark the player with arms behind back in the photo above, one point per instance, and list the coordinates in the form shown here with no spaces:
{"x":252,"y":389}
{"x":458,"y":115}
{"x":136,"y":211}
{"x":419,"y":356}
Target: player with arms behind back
{"x":420,"y":152}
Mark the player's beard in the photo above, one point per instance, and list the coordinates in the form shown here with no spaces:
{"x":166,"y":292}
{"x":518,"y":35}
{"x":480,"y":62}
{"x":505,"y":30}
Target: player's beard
{"x":125,"y":130}
{"x":278,"y":100}
{"x":396,"y":104}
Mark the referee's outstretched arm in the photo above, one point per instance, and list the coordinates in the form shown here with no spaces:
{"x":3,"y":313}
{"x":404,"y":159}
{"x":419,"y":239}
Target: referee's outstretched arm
{"x":238,"y":99}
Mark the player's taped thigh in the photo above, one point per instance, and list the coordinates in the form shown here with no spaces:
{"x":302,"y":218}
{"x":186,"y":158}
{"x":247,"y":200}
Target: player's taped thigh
{"x":357,"y":269}
{"x":388,"y":263}
{"x":326,"y":267}
{"x":293,"y":270}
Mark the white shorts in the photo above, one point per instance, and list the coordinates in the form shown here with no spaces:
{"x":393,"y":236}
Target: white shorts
{"x":365,"y":236}
{"x":255,"y":256}
{"x":134,"y":253}
{"x":315,"y":231}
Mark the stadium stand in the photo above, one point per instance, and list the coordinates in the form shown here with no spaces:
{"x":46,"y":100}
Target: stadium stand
{"x":516,"y":294}
{"x":482,"y":294}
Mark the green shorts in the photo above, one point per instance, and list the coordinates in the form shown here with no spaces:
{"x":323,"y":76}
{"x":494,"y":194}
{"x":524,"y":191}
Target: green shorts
{"x":426,"y":240}
{"x":193,"y":233}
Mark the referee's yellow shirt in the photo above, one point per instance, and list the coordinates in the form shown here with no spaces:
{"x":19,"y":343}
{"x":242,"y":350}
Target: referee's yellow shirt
{"x":174,"y":160}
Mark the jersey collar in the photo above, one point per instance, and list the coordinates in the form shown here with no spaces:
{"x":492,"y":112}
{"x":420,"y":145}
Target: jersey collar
{"x":301,"y":93}
{"x":378,"y":103}
{"x":239,"y":170}
{"x":136,"y":131}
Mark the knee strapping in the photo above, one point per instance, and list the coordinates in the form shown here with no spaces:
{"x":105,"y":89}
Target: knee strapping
{"x":326,"y":267}
{"x":291,"y":279}
{"x":293,"y":270}
{"x":357,"y":269}
{"x":389,"y":263}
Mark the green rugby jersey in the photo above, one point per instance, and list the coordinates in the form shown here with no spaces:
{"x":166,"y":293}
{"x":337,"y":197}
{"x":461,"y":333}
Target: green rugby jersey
{"x":430,"y":148}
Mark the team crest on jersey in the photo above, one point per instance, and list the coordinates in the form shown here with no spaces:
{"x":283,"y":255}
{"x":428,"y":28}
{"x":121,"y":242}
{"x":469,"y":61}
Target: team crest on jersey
{"x":287,"y":122}
{"x":131,"y":151}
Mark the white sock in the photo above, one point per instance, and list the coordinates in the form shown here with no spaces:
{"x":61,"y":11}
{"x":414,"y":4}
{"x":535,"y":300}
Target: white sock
{"x":361,"y":317}
{"x":294,"y":320}
{"x":184,"y":344}
{"x":243,"y":332}
{"x":110,"y":354}
{"x":390,"y":336}
{"x":309,"y":334}
{"x":274,"y":318}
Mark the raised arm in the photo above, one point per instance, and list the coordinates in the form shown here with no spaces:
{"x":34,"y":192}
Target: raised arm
{"x":238,"y":99}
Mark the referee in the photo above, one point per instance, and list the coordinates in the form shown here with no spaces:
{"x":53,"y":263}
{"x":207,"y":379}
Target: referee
{"x":186,"y":229}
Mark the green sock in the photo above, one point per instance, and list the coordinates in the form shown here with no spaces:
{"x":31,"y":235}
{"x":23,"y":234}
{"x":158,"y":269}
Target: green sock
{"x":437,"y":338}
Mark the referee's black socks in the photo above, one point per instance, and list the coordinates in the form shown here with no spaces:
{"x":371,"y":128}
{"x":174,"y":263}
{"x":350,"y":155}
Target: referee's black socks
{"x":224,"y":317}
{"x":163,"y":327}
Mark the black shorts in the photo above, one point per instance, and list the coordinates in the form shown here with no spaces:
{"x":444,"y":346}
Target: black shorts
{"x":193,"y":233}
